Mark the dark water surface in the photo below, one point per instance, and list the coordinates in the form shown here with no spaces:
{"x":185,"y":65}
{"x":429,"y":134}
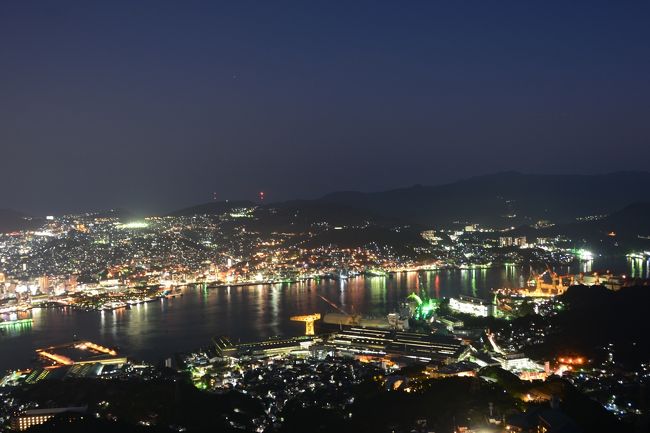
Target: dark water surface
{"x":155,"y":330}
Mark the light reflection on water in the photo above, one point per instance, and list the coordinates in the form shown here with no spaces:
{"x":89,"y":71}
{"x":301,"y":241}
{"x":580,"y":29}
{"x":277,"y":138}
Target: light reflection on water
{"x":639,"y":268}
{"x":153,"y":330}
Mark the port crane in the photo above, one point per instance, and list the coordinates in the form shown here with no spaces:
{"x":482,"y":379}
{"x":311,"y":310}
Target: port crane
{"x":354,"y":318}
{"x":309,"y":320}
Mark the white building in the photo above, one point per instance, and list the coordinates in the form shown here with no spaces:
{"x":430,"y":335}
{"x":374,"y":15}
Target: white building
{"x":473,"y":306}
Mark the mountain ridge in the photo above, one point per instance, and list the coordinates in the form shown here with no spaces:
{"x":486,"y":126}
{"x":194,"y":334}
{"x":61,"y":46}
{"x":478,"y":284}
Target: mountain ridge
{"x":501,"y":199}
{"x":506,"y":198}
{"x":11,"y":220}
{"x":214,"y":207}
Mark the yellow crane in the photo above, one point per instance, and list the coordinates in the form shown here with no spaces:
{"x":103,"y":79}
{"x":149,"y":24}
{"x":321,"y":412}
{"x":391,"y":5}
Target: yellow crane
{"x":309,"y":320}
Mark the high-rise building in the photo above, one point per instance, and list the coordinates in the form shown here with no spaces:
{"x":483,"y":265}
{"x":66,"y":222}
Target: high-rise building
{"x":43,"y":283}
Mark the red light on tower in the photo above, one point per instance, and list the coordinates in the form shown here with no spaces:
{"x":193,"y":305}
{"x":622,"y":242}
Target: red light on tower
{"x":261,"y":195}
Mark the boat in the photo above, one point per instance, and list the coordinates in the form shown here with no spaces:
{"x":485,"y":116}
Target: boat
{"x":375,"y":273}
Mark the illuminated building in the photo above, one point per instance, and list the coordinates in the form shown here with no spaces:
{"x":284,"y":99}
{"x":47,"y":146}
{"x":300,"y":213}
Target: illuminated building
{"x":431,"y":236}
{"x":34,"y":417}
{"x":43,"y":283}
{"x":425,"y":347}
{"x":526,"y":368}
{"x":265,"y":348}
{"x":84,"y":352}
{"x":474,"y":306}
{"x":509,"y":241}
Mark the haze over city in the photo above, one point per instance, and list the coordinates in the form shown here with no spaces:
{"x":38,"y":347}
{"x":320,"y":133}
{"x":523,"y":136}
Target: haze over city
{"x":153,"y":106}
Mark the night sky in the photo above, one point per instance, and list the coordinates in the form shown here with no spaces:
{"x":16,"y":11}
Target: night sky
{"x":154,"y":106}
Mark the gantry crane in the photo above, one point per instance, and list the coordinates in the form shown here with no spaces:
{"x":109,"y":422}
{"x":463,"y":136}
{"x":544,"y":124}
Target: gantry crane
{"x":354,"y":318}
{"x":309,"y":320}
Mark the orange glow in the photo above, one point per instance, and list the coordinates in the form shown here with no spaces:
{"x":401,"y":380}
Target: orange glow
{"x":64,"y":360}
{"x":573,"y":361}
{"x":96,"y":347}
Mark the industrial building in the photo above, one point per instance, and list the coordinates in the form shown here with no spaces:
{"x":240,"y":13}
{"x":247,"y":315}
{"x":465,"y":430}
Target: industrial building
{"x":423,"y":347}
{"x":82,"y":352}
{"x":350,"y":341}
{"x":264,"y":348}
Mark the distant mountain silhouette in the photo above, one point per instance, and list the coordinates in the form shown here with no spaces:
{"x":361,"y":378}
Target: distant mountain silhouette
{"x":300,"y":214}
{"x":622,"y":228}
{"x":119,"y":213}
{"x":497,"y":200}
{"x":503,"y":199}
{"x":11,"y":220}
{"x":401,"y":241}
{"x":213,"y":208}
{"x":634,"y":219}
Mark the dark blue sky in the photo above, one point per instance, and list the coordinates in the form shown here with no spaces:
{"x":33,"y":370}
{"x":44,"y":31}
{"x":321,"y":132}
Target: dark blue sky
{"x":153,"y":106}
